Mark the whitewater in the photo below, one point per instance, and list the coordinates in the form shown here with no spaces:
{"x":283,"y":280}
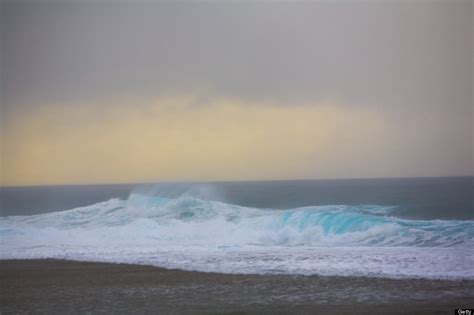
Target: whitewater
{"x":200,"y":234}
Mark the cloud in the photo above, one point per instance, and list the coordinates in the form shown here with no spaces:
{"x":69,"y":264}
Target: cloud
{"x":101,"y":92}
{"x":170,"y":139}
{"x":352,"y":52}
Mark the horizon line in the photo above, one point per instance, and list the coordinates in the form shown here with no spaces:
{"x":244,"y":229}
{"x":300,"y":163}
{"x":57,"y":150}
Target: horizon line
{"x":234,"y":181}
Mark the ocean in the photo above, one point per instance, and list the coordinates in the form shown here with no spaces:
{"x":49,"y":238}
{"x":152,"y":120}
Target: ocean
{"x":382,"y":228}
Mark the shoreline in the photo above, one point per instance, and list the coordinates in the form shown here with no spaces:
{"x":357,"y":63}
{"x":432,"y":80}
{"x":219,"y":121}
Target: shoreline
{"x":48,"y":285}
{"x":230,"y":274}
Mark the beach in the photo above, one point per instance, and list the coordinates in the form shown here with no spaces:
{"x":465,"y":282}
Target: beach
{"x":60,"y":286}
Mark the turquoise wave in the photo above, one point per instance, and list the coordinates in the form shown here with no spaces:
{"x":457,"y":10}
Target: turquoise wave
{"x":189,"y":220}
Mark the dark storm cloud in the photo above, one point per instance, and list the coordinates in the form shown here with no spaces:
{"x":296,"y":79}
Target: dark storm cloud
{"x":414,"y":53}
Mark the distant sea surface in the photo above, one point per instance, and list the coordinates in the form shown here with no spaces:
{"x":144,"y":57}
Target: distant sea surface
{"x":389,"y":228}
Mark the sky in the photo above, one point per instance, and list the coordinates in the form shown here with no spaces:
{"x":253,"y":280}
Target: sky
{"x":148,"y":91}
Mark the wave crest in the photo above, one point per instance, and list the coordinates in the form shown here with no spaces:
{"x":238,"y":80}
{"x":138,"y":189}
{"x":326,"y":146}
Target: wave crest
{"x":187,"y":220}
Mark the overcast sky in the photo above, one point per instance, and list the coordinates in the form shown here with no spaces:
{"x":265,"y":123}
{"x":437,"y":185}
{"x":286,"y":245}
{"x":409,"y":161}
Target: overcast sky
{"x":148,"y":91}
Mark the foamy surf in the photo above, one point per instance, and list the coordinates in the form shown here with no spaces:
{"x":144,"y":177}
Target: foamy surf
{"x":191,"y":233}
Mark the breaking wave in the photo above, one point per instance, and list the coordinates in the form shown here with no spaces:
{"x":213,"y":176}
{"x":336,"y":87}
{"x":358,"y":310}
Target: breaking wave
{"x":186,"y":231}
{"x":193,"y":221}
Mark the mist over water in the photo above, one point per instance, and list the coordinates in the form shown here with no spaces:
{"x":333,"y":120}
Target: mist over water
{"x":383,"y":228}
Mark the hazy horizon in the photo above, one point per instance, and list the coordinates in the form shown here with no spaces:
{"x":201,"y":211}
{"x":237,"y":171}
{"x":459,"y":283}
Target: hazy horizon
{"x":126,"y":92}
{"x":240,"y":181}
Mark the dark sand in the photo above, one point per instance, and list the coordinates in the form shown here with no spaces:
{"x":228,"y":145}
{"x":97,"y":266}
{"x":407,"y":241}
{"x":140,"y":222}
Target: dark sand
{"x":57,"y":286}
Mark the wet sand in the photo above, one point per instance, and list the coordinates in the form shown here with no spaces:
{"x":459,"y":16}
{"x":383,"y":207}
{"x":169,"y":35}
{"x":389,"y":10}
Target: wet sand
{"x":58,"y":286}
